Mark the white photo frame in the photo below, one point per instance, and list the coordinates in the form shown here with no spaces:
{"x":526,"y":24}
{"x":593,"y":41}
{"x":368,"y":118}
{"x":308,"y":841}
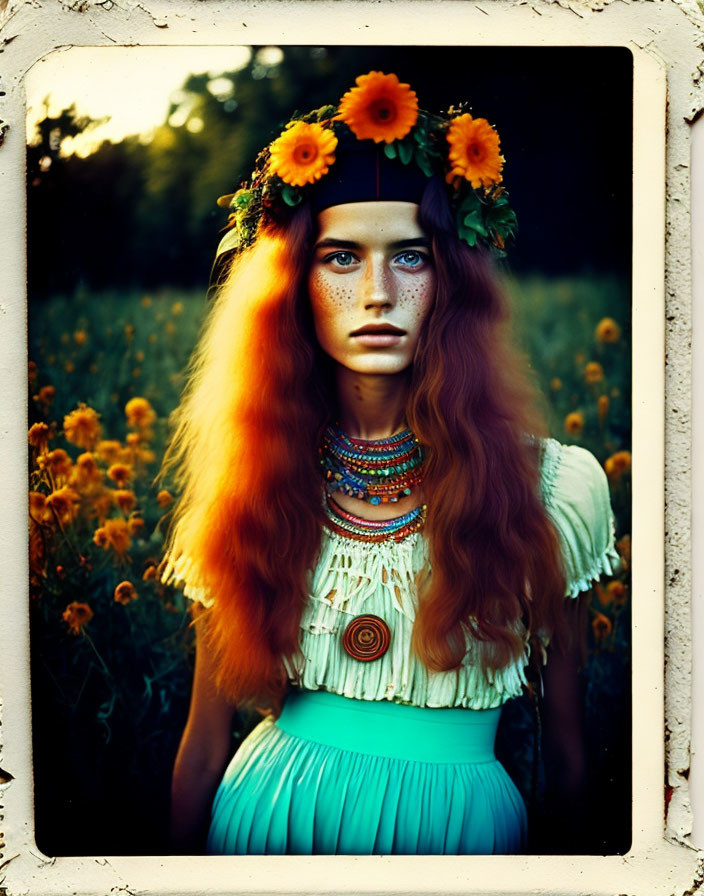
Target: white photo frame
{"x":663,"y":39}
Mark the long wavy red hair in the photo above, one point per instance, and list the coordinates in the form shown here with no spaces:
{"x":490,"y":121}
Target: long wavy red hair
{"x":247,"y":526}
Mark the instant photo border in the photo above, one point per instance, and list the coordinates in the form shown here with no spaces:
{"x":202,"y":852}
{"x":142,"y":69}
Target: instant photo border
{"x":665,"y":39}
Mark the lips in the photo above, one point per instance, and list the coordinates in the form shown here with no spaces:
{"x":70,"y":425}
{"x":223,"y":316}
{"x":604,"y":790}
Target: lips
{"x":378,"y":330}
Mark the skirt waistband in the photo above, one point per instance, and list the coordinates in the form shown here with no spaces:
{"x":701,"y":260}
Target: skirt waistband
{"x":393,"y":730}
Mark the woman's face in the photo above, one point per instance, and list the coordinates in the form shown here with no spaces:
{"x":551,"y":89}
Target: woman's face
{"x":371,"y":285}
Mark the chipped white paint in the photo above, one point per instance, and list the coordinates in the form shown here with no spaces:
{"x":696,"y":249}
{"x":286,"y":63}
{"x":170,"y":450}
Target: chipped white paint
{"x":666,"y":34}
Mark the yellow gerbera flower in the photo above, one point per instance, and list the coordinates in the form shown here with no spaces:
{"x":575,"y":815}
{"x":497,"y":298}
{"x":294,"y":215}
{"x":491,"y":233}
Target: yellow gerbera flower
{"x":121,"y":474}
{"x":379,"y":108}
{"x":303,"y":153}
{"x":81,"y":427}
{"x":474,"y":151}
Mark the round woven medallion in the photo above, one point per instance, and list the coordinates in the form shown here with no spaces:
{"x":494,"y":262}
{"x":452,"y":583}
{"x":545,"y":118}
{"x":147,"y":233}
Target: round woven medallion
{"x":366,"y":638}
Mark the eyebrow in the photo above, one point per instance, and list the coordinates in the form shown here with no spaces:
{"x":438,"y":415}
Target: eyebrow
{"x":331,"y":242}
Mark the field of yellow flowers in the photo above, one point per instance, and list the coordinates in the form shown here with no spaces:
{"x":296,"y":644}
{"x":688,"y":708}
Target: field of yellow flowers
{"x":111,"y":646}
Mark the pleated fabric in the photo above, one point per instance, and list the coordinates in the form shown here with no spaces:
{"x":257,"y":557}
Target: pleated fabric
{"x":289,"y":792}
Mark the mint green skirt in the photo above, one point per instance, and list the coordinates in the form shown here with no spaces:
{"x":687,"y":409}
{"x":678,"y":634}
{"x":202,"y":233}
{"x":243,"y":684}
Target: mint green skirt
{"x":337,"y":776}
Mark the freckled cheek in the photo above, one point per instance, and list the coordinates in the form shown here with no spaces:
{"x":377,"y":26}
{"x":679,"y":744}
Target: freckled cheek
{"x":330,"y":300}
{"x":416,"y":297}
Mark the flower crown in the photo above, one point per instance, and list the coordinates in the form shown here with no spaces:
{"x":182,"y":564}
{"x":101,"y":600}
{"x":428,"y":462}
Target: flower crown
{"x":462,"y":150}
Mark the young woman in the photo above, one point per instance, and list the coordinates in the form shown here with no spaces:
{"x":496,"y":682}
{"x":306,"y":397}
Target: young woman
{"x":375,"y":536}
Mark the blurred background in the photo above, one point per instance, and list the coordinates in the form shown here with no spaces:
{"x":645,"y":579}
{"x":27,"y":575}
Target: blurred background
{"x":128,"y":150}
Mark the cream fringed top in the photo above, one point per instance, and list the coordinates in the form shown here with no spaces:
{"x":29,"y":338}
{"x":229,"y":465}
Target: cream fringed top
{"x":353,"y":578}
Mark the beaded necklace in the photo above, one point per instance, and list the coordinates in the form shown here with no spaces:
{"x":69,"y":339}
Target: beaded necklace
{"x":344,"y":523}
{"x":379,"y":471}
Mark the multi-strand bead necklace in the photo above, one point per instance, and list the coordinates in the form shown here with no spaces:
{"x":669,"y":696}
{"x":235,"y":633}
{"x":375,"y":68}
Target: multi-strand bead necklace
{"x":378,"y":471}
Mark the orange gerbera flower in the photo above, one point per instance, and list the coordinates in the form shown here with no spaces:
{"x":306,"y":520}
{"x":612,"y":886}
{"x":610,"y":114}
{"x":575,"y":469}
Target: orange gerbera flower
{"x":124,"y":593}
{"x":574,"y":423}
{"x":139,"y":413}
{"x":77,"y":615}
{"x":81,"y":427}
{"x":474,"y":151}
{"x":607,"y":330}
{"x":379,"y":108}
{"x":618,"y":464}
{"x":63,"y":502}
{"x":303,"y":153}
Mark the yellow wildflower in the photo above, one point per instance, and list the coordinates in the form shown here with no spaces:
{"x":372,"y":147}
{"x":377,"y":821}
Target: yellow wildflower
{"x":82,"y":427}
{"x":109,"y":450}
{"x":69,"y":366}
{"x":556,"y":384}
{"x":574,"y":423}
{"x":593,"y":372}
{"x":135,"y":524}
{"x":77,"y":615}
{"x":601,"y":626}
{"x":38,"y":511}
{"x":32,"y":372}
{"x":124,"y":593}
{"x":150,"y":574}
{"x":140,"y":414}
{"x":617,"y":591}
{"x":57,"y":462}
{"x":146,"y":301}
{"x":86,"y":473}
{"x":618,"y":464}
{"x":121,"y":474}
{"x":125,"y":499}
{"x":164,"y":498}
{"x":39,"y":435}
{"x":114,"y":534}
{"x":607,"y":330}
{"x":45,"y":396}
{"x":177,"y":308}
{"x":64,"y":503}
{"x":80,"y":337}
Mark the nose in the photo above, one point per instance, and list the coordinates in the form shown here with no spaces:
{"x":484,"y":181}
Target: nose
{"x":377,"y":287}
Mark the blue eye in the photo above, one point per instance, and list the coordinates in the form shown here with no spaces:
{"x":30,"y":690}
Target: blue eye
{"x":342,"y":259}
{"x":411,"y":259}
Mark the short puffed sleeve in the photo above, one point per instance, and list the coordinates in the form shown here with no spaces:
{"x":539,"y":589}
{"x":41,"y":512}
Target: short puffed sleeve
{"x":575,"y":493}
